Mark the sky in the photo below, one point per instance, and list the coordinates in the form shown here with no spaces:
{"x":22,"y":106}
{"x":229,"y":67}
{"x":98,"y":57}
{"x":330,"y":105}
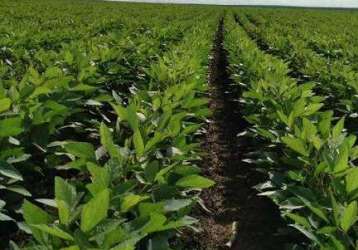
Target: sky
{"x":308,"y":3}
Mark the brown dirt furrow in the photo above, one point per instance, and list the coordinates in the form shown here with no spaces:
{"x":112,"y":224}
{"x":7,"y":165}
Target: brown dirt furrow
{"x":233,"y":199}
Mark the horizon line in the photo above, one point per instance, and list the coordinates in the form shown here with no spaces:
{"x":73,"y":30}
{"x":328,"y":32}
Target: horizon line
{"x":241,"y":4}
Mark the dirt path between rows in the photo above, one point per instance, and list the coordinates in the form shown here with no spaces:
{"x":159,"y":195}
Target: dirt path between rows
{"x":238,"y":218}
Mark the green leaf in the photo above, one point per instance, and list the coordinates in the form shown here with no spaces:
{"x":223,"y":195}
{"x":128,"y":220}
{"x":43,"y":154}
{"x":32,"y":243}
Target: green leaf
{"x":11,"y":127}
{"x":71,"y":248}
{"x":81,"y":149}
{"x":327,"y":230}
{"x":312,"y":108}
{"x":155,"y":224}
{"x":130,"y":201}
{"x":35,"y":215}
{"x":185,"y":170}
{"x":160,"y":175}
{"x":325,"y":124}
{"x":5,"y":104}
{"x":19,"y":190}
{"x":34,"y":76}
{"x":9,"y":171}
{"x":53,"y":72}
{"x":138,"y":143}
{"x":336,"y":244}
{"x":195,"y":181}
{"x":299,"y":220}
{"x":4,"y":217}
{"x":95,"y":210}
{"x":129,"y":244}
{"x":175,"y":205}
{"x":146,"y":208}
{"x":121,"y":112}
{"x":342,"y":161}
{"x":132,"y":117}
{"x":335,"y":208}
{"x":351,"y":180}
{"x":100,"y":178}
{"x":107,"y":142}
{"x":54,"y":230}
{"x":65,"y":196}
{"x":316,"y":209}
{"x":296,"y":144}
{"x":350,"y":216}
{"x":338,"y":128}
{"x":182,"y":222}
{"x":306,"y":232}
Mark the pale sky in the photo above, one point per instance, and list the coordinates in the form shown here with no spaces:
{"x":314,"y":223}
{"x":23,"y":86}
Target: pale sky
{"x":309,"y":3}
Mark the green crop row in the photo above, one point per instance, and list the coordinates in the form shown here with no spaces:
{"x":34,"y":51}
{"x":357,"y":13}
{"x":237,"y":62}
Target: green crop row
{"x":99,"y":123}
{"x":306,"y":153}
{"x":333,"y":78}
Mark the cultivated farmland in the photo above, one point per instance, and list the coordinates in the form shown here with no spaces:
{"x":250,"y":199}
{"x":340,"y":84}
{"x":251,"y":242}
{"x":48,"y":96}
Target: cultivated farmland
{"x":165,"y":127}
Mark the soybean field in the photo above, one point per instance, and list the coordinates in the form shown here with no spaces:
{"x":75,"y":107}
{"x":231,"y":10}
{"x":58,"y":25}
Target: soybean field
{"x":132,"y":126}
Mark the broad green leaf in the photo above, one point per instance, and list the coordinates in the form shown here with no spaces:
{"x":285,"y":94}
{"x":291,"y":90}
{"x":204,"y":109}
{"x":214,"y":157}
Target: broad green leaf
{"x":34,"y":76}
{"x":65,"y":196}
{"x":138,"y":143}
{"x":342,"y":161}
{"x":121,"y":112}
{"x":146,"y":208}
{"x":82,"y":87}
{"x":337,"y":244}
{"x":182,"y":222}
{"x":316,"y":209}
{"x":335,"y":208}
{"x":155,"y":224}
{"x":100,"y":178}
{"x":5,"y":104}
{"x":4,"y":217}
{"x":296,"y":144}
{"x":325,"y":124}
{"x":175,"y":205}
{"x":71,"y":248}
{"x":107,"y":142}
{"x":35,"y":215}
{"x":282,"y":117}
{"x":185,"y":170}
{"x":54,"y":230}
{"x":312,"y":108}
{"x":299,"y":220}
{"x":95,"y":210}
{"x":19,"y":189}
{"x":338,"y":128}
{"x":309,"y":129}
{"x":132,"y":117}
{"x":157,"y":138}
{"x":306,"y":232}
{"x":352,"y":180}
{"x":41,"y":90}
{"x":81,"y":149}
{"x":160,"y":175}
{"x":130,"y":201}
{"x":11,"y":127}
{"x":350,"y":216}
{"x":113,"y":236}
{"x":10,"y":171}
{"x":195,"y":181}
{"x":53,"y":72}
{"x":327,"y":230}
{"x":129,"y":244}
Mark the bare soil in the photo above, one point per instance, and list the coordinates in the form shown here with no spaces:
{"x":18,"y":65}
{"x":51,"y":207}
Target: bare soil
{"x":238,"y":218}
